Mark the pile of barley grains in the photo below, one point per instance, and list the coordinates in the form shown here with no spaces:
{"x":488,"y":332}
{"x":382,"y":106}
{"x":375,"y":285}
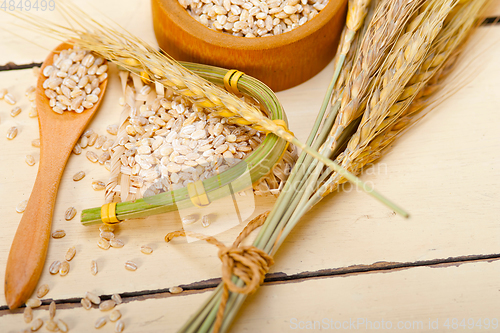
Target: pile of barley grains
{"x":166,"y":143}
{"x":73,"y":80}
{"x":253,"y":18}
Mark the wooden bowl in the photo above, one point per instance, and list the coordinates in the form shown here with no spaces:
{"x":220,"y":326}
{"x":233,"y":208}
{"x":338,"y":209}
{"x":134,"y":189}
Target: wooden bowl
{"x":281,"y":61}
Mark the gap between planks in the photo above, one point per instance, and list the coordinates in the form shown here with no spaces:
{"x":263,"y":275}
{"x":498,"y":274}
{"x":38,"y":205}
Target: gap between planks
{"x":275,"y":278}
{"x":495,"y":20}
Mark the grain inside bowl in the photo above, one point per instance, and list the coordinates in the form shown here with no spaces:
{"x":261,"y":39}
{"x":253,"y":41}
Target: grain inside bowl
{"x":280,"y":61}
{"x":245,"y":18}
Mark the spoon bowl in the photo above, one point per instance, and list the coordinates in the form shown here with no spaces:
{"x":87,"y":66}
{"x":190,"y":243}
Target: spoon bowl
{"x":58,"y":135}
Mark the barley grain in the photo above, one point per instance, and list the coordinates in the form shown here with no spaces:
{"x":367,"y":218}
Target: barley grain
{"x":93,"y":298}
{"x":64,"y":268}
{"x":70,"y":213}
{"x":100,"y":141}
{"x":91,"y":100}
{"x":42,"y":290}
{"x":28,"y":314}
{"x":131,"y":266}
{"x":33,"y":112}
{"x":10,"y":99}
{"x":100,"y":322}
{"x":92,"y":157}
{"x":57,"y":109}
{"x":84,"y":142}
{"x":107,"y":235}
{"x":50,"y":325}
{"x":112,"y":129}
{"x":36,"y":324}
{"x":107,"y":305}
{"x":175,"y":290}
{"x":103,"y":243}
{"x":189,"y":219}
{"x":58,"y":234}
{"x":205,"y":221}
{"x":98,"y":185}
{"x":117,"y":298}
{"x":104,"y":157}
{"x":120,"y":326}
{"x":33,"y":303}
{"x":70,"y":254}
{"x":92,"y":139}
{"x":93,"y":267}
{"x":116,"y":242}
{"x":77,"y":149}
{"x":15,"y":111}
{"x":35,"y":143}
{"x":12,"y":133}
{"x":21,"y":207}
{"x":54,"y":267}
{"x":86,"y":303}
{"x":146,"y":249}
{"x":62,"y":326}
{"x":102,"y":69}
{"x":52,"y":310}
{"x":106,"y":228}
{"x":115,"y":315}
{"x":108,"y":144}
{"x":79,"y":176}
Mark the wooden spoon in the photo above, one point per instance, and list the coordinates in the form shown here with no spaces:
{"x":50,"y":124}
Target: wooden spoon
{"x":58,"y":136}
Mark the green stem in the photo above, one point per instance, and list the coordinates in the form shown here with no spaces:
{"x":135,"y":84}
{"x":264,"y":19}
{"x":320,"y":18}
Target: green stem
{"x":196,"y":319}
{"x":352,"y":178}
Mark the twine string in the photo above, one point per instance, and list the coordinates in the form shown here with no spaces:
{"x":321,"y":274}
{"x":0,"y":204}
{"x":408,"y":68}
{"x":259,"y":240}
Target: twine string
{"x":248,"y":263}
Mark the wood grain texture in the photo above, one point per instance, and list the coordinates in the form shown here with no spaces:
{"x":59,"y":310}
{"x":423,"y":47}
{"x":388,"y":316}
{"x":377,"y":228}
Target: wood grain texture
{"x":58,"y":136}
{"x":412,"y":297}
{"x":443,"y":171}
{"x":281,"y":61}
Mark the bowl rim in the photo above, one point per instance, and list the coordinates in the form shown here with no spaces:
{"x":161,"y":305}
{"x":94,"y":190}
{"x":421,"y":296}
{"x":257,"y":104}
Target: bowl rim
{"x":191,"y":26}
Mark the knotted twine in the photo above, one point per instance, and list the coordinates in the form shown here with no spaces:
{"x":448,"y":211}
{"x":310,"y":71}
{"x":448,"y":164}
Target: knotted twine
{"x":248,"y":263}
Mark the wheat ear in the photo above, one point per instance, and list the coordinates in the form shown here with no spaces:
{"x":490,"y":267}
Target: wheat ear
{"x":384,"y":29}
{"x":438,"y":63}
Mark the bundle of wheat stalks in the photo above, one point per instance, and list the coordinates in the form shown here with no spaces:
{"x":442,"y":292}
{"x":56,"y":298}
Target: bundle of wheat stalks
{"x":393,"y":56}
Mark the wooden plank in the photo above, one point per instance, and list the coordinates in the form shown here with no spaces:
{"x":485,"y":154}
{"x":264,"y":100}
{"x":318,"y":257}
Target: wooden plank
{"x":415,"y":298}
{"x":493,"y":9}
{"x":441,"y":171}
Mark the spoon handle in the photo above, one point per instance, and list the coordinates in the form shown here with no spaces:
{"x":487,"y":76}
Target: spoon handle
{"x":29,"y":247}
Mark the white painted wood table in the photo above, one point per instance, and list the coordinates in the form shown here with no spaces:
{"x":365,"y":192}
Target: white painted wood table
{"x":350,"y":265}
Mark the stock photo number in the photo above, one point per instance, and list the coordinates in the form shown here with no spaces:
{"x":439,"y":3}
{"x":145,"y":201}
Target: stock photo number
{"x":27,"y":5}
